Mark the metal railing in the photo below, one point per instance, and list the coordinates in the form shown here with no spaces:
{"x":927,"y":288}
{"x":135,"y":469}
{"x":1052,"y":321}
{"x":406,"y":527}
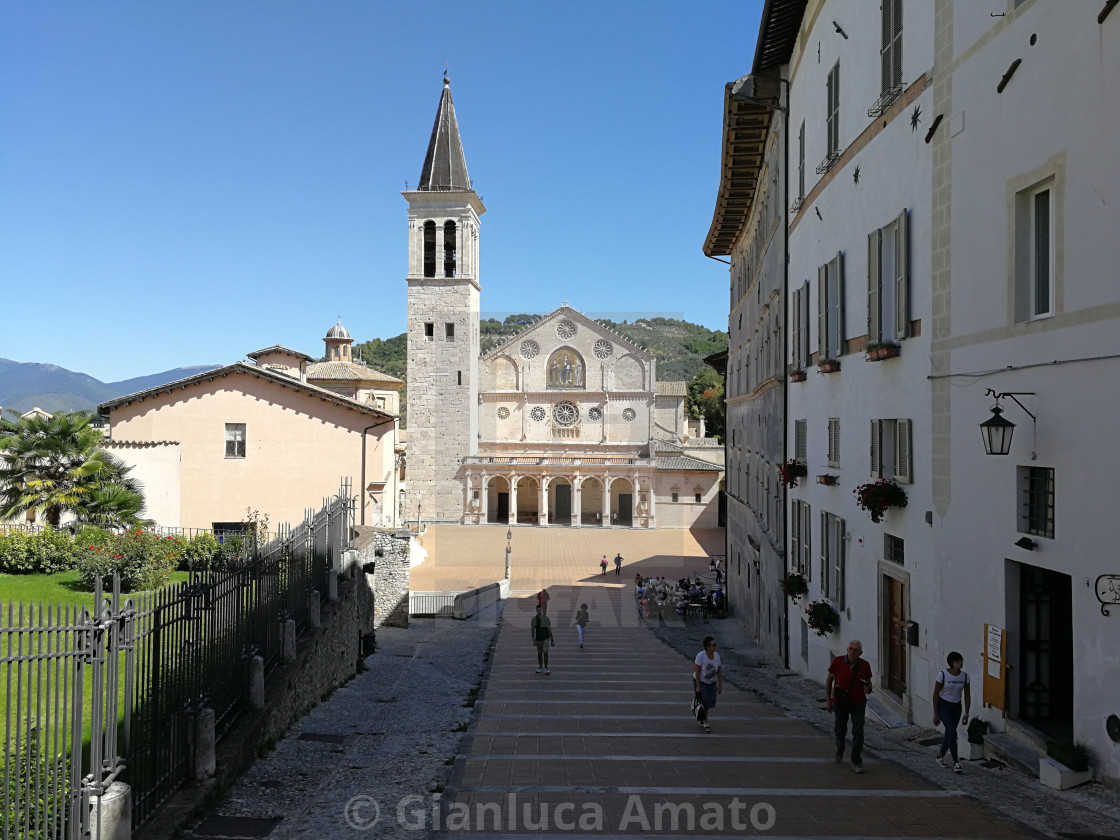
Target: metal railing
{"x":165,"y":654}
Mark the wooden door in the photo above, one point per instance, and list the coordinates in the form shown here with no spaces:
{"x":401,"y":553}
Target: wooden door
{"x":894,"y":629}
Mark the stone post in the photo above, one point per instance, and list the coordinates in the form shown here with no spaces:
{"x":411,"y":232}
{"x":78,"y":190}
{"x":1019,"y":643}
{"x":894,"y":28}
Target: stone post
{"x":111,"y":813}
{"x":288,"y":640}
{"x":256,"y":683}
{"x":332,"y":586}
{"x":204,"y":742}
{"x":313,"y":617}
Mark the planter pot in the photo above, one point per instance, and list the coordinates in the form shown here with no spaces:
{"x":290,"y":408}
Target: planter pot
{"x":828,"y":367}
{"x":798,"y":376}
{"x":1058,"y":776}
{"x":877,"y":354}
{"x":969,"y":751}
{"x":829,"y":480}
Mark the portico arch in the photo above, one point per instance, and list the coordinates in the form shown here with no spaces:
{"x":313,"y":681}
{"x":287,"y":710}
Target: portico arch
{"x":498,"y":500}
{"x":528,"y":500}
{"x":591,"y":502}
{"x":561,"y":501}
{"x":622,"y":502}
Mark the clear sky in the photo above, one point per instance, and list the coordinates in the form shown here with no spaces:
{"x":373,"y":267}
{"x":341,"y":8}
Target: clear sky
{"x":184,"y":183}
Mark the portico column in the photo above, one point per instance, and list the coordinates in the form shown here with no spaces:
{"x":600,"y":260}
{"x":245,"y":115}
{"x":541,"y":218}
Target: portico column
{"x":512,"y":499}
{"x":652,"y":505}
{"x":606,"y":500}
{"x":542,"y":506}
{"x":577,"y":502}
{"x":485,"y":498}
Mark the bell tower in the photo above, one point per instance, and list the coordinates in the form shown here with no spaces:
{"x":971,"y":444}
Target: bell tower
{"x":443,"y":332}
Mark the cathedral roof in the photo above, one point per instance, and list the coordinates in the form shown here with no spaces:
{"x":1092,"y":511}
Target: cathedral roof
{"x":338,"y":331}
{"x":348,"y":371}
{"x":445,"y":165}
{"x":565,"y":311}
{"x":672,"y":389}
{"x":683,"y":463}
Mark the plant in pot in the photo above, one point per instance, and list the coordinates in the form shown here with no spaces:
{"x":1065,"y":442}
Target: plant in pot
{"x":1066,"y":765}
{"x":792,"y":470}
{"x":797,"y":376}
{"x":821,"y":617}
{"x":877,"y":351}
{"x":828,"y":365}
{"x":877,"y":496}
{"x":795,"y":585}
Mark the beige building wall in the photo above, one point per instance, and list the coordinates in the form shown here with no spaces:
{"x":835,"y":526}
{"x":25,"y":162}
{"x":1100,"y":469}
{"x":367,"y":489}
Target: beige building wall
{"x":298,"y":449}
{"x":157,"y":467}
{"x":686,"y":512}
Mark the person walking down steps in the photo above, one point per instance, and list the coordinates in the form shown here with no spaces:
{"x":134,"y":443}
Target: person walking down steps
{"x":582,"y":617}
{"x":846,"y":690}
{"x":541,"y":630}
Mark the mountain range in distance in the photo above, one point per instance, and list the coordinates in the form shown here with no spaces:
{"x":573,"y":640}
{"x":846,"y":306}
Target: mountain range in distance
{"x":28,"y":385}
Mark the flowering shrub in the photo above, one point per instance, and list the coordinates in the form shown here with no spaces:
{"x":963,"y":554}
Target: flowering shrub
{"x":38,"y":553}
{"x":792,"y":470}
{"x":795,"y":585}
{"x":821,"y":617}
{"x":879,"y":495}
{"x":143,"y":560}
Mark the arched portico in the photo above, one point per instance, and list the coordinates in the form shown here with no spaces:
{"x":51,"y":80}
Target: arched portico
{"x":622,"y":501}
{"x":527,"y":499}
{"x":562,"y":501}
{"x":498,"y":498}
{"x":591,"y":501}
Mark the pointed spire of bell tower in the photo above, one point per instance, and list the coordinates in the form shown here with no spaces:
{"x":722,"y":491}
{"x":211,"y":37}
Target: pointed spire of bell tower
{"x":445,"y":165}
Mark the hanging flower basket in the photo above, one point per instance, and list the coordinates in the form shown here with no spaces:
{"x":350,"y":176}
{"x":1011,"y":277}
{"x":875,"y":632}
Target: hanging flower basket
{"x":878,"y":496}
{"x":795,"y":585}
{"x":828,"y":479}
{"x":886,"y":350}
{"x":792,"y":470}
{"x":828,"y":366}
{"x":797,"y":376}
{"x":822,"y":617}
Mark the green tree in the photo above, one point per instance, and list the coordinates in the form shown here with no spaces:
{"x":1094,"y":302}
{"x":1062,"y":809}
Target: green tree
{"x":705,"y":399}
{"x":54,"y":465}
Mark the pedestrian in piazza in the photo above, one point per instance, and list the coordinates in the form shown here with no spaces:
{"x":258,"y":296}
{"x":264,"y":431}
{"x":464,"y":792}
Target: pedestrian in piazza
{"x":707,"y":681}
{"x":542,"y":600}
{"x":952,"y":686}
{"x":540,"y":628}
{"x":582,"y":617}
{"x":618,"y":563}
{"x":603,"y":564}
{"x":847,"y":687}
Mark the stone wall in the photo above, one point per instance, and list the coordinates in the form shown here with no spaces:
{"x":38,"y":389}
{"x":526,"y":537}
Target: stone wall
{"x":383,"y":559}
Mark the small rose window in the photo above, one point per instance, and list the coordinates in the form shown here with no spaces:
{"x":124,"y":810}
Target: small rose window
{"x":628,"y":414}
{"x":595,"y":413}
{"x":603,"y":349}
{"x":503,"y":413}
{"x":565,"y":329}
{"x":537,"y":413}
{"x":529,"y":349}
{"x":565,"y":414}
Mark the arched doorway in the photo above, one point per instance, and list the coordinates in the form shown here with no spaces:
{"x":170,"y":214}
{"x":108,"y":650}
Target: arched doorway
{"x":528,"y":499}
{"x":561,"y":502}
{"x":497,"y":500}
{"x":591,"y":501}
{"x":622,"y":502}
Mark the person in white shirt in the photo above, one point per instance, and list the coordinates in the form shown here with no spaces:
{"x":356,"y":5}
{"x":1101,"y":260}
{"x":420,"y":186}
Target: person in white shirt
{"x":952,"y":686}
{"x":707,"y":680}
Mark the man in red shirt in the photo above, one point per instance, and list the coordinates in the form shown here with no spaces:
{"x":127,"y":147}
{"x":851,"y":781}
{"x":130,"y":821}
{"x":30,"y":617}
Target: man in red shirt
{"x":849,"y":679}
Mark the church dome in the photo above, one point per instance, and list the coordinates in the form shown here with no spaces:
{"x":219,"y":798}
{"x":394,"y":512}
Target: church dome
{"x":338,"y":331}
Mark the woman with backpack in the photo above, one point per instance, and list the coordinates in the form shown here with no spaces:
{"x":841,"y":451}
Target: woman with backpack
{"x":952,"y":686}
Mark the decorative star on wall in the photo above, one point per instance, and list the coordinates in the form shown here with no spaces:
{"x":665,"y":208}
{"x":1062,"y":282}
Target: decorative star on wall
{"x":818,"y":212}
{"x":855,"y":175}
{"x":915,"y":117}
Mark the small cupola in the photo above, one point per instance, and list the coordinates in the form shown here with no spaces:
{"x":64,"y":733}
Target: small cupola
{"x":338,"y":343}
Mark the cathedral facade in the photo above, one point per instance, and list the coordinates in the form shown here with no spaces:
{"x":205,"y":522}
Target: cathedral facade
{"x":564,"y":423}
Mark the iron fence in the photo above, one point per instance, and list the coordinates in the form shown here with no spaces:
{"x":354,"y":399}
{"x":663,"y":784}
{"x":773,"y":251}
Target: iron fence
{"x":97,"y":696}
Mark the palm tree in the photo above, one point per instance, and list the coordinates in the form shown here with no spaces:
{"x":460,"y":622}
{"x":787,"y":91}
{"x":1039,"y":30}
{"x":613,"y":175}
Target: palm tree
{"x":54,"y":465}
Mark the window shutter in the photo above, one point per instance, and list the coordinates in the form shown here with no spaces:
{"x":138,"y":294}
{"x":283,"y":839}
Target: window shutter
{"x":885,"y":41}
{"x":806,"y":544}
{"x":803,"y":315}
{"x":800,"y":441}
{"x":902,"y":278}
{"x":795,"y":333}
{"x":822,"y":313}
{"x":874,"y":241}
{"x":876,"y":459}
{"x":903,"y":464}
{"x":896,"y":46}
{"x":795,"y":535}
{"x":837,"y":267}
{"x":825,"y":572}
{"x":838,"y":560}
{"x":834,"y":441}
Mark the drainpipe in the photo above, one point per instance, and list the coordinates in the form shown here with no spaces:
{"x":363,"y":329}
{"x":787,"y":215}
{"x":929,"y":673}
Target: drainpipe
{"x":785,"y":338}
{"x":363,"y":489}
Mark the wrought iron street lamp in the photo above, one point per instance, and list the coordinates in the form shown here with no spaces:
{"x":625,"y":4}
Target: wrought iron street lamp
{"x":996,"y":431}
{"x":509,"y":549}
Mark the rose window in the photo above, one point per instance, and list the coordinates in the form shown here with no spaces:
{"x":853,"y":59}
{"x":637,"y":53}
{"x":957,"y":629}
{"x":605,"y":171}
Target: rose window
{"x":603,"y":349}
{"x":595,"y":414}
{"x":529,"y":349}
{"x":503,"y":413}
{"x":537,"y":413}
{"x":565,"y":329}
{"x":565,"y":414}
{"x":628,"y":414}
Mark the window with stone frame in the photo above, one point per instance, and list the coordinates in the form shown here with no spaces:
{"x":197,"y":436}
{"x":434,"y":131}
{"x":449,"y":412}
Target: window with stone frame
{"x":799,"y":328}
{"x":888,"y":282}
{"x":834,"y":441}
{"x":891,"y":450}
{"x":1036,"y":506}
{"x":832,"y":558}
{"x":1034,"y":252}
{"x":830,"y":309}
{"x":801,"y":547}
{"x":235,"y":440}
{"x":890,"y":51}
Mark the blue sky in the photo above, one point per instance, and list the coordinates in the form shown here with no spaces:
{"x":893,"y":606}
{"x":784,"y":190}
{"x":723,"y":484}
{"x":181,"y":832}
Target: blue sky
{"x":183,"y":183}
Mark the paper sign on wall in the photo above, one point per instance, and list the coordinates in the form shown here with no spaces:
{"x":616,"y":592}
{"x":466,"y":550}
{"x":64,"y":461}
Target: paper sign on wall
{"x":995,"y":643}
